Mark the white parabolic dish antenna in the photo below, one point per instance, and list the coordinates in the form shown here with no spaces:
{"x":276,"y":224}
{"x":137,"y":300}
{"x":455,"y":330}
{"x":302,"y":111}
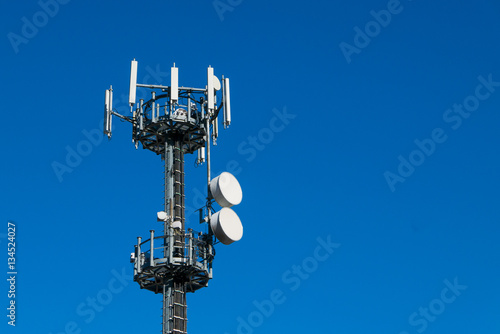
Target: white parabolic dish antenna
{"x":226,"y":226}
{"x":226,"y":190}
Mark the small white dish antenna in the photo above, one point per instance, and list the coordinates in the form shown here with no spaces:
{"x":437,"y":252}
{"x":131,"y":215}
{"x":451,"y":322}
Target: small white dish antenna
{"x":226,"y":226}
{"x":226,"y":190}
{"x":161,"y":216}
{"x":180,"y":114}
{"x":216,"y":83}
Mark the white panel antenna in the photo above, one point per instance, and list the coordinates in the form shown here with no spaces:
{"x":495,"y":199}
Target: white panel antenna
{"x":210,"y":89}
{"x":226,"y":100}
{"x":133,"y":82}
{"x":108,"y":107}
{"x":174,"y":83}
{"x":110,"y":115}
{"x":106,"y":112}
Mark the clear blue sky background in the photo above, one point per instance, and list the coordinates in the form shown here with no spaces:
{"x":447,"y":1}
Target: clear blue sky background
{"x":321,"y":175}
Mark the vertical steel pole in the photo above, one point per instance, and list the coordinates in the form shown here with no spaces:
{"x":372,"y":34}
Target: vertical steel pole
{"x":151,"y":249}
{"x":207,"y":142}
{"x":139,"y":255}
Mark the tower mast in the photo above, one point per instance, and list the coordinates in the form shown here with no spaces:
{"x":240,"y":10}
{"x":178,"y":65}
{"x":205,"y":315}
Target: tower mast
{"x":176,"y":121}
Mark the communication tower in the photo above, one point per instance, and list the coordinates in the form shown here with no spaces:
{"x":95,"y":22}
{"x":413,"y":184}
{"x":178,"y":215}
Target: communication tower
{"x":176,"y":121}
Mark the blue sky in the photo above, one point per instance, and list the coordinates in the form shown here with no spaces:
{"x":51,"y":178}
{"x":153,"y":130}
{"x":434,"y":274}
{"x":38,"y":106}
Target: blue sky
{"x":364,"y":135}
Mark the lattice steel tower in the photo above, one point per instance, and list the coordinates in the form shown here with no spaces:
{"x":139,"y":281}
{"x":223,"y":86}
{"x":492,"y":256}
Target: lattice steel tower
{"x":176,"y":121}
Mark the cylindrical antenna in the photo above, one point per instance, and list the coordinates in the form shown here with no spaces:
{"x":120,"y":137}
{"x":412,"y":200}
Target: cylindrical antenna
{"x":139,"y":255}
{"x":110,"y":113}
{"x":153,"y":112}
{"x":106,"y":113}
{"x":151,"y":249}
{"x":189,"y":107}
{"x":215,"y":134}
{"x":141,"y":115}
{"x":224,"y":101}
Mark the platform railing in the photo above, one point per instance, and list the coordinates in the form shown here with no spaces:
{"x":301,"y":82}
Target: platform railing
{"x":195,"y":250}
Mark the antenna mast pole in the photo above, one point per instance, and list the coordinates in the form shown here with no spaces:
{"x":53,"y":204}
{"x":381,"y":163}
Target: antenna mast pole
{"x":174,"y":309}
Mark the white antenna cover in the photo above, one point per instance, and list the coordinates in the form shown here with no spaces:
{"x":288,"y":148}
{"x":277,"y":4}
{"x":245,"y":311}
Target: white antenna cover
{"x":227,"y":103}
{"x":174,"y":83}
{"x":201,"y":155}
{"x":210,"y":88}
{"x":110,"y":116}
{"x":106,"y":101}
{"x":110,"y":103}
{"x":107,"y":112}
{"x":226,"y":190}
{"x":226,"y":226}
{"x":133,"y":82}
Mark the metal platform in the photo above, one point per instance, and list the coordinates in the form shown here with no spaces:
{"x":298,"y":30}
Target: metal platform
{"x":155,"y":267}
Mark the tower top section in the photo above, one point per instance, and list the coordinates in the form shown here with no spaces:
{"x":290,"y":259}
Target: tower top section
{"x":174,"y":112}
